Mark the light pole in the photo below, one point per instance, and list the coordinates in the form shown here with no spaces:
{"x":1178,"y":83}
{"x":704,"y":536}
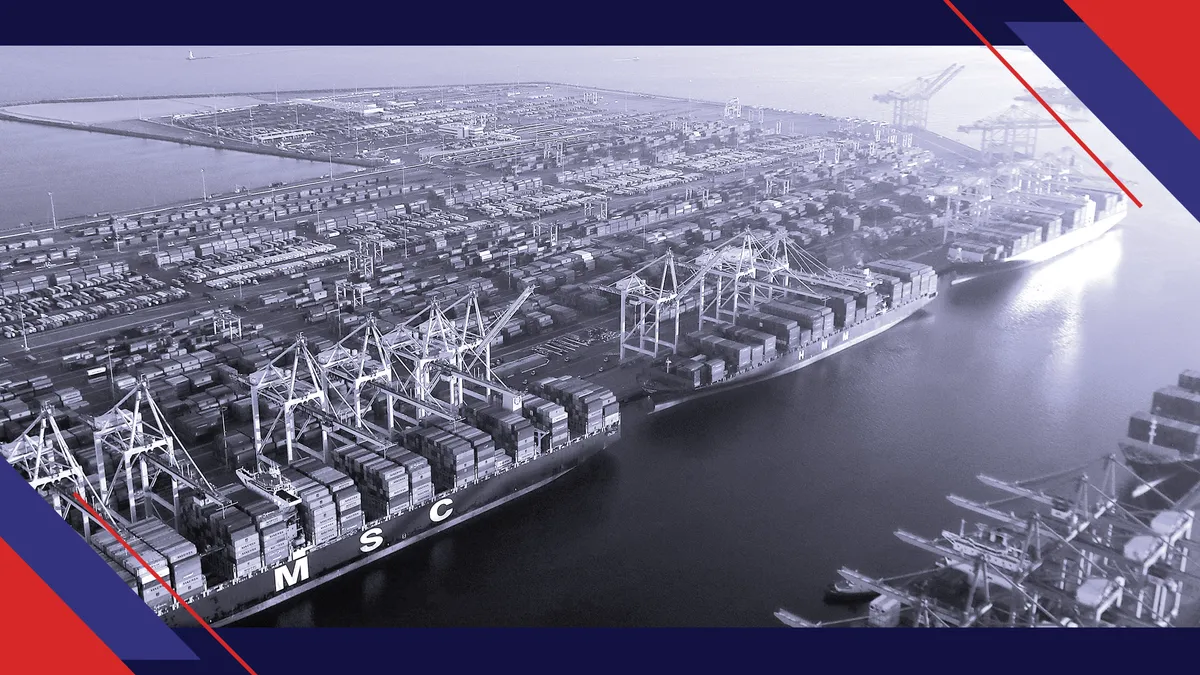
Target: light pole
{"x":112,"y":383}
{"x":224,"y":434}
{"x":53,"y":218}
{"x":24,"y":335}
{"x":203,"y":185}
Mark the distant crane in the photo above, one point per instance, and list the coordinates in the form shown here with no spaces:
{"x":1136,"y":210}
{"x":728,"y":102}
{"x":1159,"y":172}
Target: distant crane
{"x":910,"y":103}
{"x":733,"y":109}
{"x":1011,"y":134}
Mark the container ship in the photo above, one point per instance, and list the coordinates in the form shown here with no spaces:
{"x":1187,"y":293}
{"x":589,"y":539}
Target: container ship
{"x":1040,"y":227}
{"x":1099,"y":545}
{"x":1165,"y":442}
{"x":289,"y":490}
{"x":779,"y":336}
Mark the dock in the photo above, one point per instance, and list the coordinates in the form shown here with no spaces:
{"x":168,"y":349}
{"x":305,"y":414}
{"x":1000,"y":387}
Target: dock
{"x":1078,"y":548}
{"x":407,"y":328}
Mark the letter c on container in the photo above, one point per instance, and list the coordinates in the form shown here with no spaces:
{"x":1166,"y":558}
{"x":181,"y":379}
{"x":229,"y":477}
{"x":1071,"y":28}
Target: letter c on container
{"x":437,"y":514}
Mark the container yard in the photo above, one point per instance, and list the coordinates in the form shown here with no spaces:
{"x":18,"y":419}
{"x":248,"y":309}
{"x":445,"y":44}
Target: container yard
{"x":265,"y":390}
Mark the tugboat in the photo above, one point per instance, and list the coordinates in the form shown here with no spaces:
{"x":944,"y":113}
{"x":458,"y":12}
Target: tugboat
{"x":843,"y":592}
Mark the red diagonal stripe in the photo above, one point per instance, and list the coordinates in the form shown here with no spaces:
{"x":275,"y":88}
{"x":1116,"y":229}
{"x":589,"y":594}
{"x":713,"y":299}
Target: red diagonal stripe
{"x":39,"y":631}
{"x":1045,"y":105}
{"x":1158,"y":44}
{"x":165,"y":585}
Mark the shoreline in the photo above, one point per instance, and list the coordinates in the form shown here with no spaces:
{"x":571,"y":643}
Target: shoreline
{"x":6,"y":114}
{"x":234,"y":146}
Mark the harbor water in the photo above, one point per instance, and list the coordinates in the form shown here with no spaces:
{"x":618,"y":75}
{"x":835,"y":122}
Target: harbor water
{"x":717,"y":512}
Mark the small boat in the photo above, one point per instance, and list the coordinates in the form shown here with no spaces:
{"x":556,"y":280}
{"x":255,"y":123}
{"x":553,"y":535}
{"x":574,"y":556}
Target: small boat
{"x":845,"y":593}
{"x":269,"y":482}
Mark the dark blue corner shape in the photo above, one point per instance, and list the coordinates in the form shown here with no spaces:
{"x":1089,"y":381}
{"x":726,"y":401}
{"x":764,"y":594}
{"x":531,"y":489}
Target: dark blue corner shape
{"x":616,"y":22}
{"x":66,"y":562}
{"x":1147,"y":127}
{"x":531,"y":651}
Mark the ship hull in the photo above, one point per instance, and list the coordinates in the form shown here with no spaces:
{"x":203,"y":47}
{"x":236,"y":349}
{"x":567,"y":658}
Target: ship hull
{"x":237,"y":600}
{"x":968,"y":271}
{"x":1153,"y":469}
{"x":795,"y":359}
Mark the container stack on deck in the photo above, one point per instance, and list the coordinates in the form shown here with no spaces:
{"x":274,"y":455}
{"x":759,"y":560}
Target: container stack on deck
{"x":148,"y":588}
{"x":737,"y":356}
{"x":420,"y":474}
{"x":763,"y":345}
{"x":234,"y":533}
{"x":818,"y":320}
{"x":787,"y":332}
{"x":168,"y":553}
{"x":590,"y":408}
{"x":451,"y":457}
{"x":483,"y":445}
{"x":510,"y":431}
{"x":318,"y":512}
{"x":1170,"y":431}
{"x":1014,"y":236}
{"x":276,"y":526}
{"x":346,"y":497}
{"x":385,"y":487}
{"x":182,"y":557}
{"x":549,"y":417}
{"x":903,"y":281}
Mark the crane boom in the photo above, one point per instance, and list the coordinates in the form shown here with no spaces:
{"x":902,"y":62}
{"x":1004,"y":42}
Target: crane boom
{"x":944,"y":79}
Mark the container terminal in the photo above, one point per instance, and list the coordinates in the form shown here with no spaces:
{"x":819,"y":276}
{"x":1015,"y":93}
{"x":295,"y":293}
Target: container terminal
{"x":266,"y":389}
{"x":1104,"y":545}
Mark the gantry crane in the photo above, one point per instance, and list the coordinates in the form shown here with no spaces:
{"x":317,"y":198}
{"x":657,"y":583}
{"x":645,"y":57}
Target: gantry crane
{"x":136,"y":434}
{"x":733,"y":109}
{"x":996,"y":194}
{"x":910,"y":103}
{"x":1067,"y":550}
{"x":1011,"y":134}
{"x":741,"y":273}
{"x":425,"y":366}
{"x":40,"y":454}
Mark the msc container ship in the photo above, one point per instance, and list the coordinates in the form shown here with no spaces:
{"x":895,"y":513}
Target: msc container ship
{"x":1062,"y":222}
{"x":278,"y":528}
{"x":1164,"y":442}
{"x":784,"y":335}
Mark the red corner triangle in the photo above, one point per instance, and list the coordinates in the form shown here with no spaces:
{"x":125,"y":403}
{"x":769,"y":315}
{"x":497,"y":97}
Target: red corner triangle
{"x":41,"y":632}
{"x":1157,"y":44}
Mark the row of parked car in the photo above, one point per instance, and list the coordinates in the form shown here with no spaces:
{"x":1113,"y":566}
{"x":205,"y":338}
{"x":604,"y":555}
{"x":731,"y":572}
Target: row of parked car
{"x":220,"y":264}
{"x":75,"y":294}
{"x":258,"y":274}
{"x":45,"y":322}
